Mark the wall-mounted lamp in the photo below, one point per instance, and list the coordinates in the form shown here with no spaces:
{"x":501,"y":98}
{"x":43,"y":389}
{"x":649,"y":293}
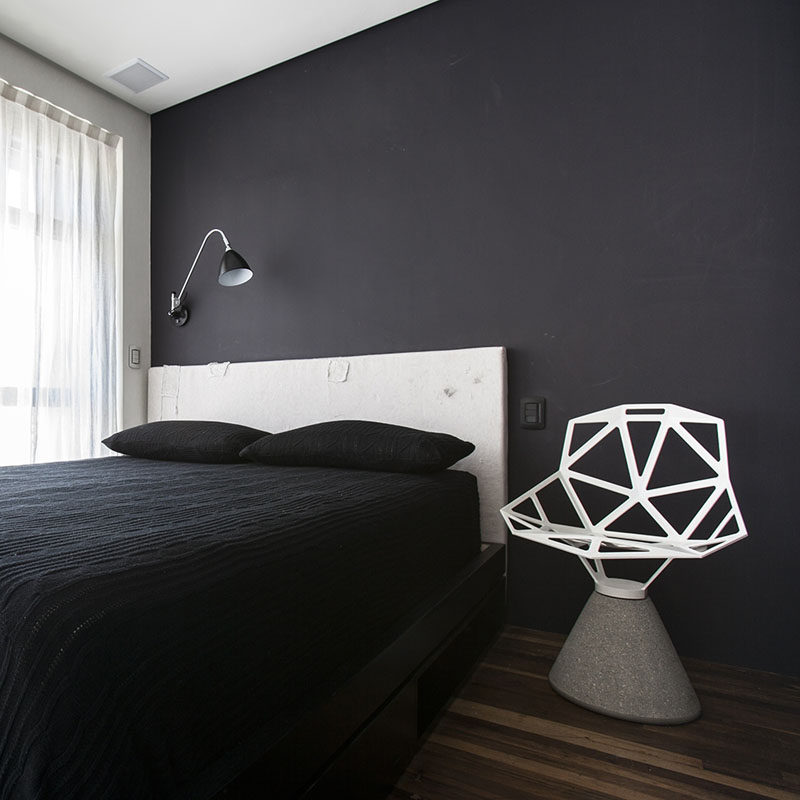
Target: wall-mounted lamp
{"x":233,"y":270}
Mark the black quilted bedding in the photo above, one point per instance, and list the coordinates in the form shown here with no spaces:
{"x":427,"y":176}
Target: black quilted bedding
{"x":162,"y":623}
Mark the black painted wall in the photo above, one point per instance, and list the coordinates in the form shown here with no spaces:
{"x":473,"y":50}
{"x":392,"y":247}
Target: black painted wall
{"x":609,"y":189}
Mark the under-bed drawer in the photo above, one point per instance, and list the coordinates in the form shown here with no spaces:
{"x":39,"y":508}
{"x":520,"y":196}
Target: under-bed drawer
{"x":367,"y":768}
{"x":440,"y":681}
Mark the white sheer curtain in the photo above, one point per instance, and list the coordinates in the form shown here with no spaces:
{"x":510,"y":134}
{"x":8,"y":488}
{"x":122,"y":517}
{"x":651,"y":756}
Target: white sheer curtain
{"x":60,"y":187}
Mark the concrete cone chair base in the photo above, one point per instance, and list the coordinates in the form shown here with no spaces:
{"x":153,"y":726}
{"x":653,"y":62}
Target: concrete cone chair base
{"x":620,"y":661}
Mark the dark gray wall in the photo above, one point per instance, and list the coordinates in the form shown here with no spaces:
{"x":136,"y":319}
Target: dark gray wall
{"x":610,"y":190}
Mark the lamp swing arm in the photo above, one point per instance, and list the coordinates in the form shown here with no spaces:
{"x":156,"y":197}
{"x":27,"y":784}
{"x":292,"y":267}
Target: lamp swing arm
{"x":177,"y":299}
{"x":233,"y":271}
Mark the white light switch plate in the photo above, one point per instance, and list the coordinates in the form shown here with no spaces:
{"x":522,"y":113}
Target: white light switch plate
{"x":134,"y":357}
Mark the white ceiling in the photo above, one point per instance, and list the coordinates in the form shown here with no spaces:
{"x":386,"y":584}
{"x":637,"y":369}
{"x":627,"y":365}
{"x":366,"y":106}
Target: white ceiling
{"x":199,"y":45}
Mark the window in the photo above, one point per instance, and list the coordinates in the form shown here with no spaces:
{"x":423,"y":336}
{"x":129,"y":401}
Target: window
{"x":60,"y":203}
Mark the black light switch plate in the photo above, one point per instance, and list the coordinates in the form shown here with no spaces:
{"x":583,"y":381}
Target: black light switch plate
{"x":532,"y":412}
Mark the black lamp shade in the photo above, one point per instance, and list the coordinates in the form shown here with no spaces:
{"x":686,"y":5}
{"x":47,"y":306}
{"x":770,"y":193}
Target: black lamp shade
{"x":233,"y":269}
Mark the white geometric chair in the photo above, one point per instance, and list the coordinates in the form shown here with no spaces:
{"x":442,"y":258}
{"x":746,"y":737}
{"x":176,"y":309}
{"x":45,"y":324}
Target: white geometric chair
{"x":635,"y":482}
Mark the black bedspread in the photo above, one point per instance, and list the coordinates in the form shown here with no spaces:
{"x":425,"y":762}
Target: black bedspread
{"x":162,"y":623}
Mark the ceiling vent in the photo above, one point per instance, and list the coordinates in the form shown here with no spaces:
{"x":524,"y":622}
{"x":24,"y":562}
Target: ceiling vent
{"x":136,"y":75}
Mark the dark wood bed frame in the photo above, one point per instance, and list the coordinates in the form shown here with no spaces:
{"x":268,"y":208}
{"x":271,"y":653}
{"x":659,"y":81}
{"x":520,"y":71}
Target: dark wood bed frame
{"x":360,"y":740}
{"x":357,"y":743}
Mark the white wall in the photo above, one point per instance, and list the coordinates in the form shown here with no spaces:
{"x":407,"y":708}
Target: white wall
{"x":25,"y":69}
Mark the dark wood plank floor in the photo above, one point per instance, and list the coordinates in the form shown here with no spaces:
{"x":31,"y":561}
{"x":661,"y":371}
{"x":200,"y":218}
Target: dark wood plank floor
{"x":508,"y":735}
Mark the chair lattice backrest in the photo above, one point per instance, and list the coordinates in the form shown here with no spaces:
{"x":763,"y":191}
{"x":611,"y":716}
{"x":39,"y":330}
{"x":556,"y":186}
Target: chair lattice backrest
{"x":635,"y":482}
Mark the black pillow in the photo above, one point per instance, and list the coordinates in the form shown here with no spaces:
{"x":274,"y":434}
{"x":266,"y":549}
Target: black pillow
{"x":360,"y":444}
{"x":185,"y":440}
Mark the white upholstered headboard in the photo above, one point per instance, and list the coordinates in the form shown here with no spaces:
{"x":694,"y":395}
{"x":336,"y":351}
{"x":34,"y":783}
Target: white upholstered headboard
{"x":462,"y":392}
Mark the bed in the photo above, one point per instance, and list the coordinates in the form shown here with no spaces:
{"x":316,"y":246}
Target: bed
{"x":236,"y":629}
